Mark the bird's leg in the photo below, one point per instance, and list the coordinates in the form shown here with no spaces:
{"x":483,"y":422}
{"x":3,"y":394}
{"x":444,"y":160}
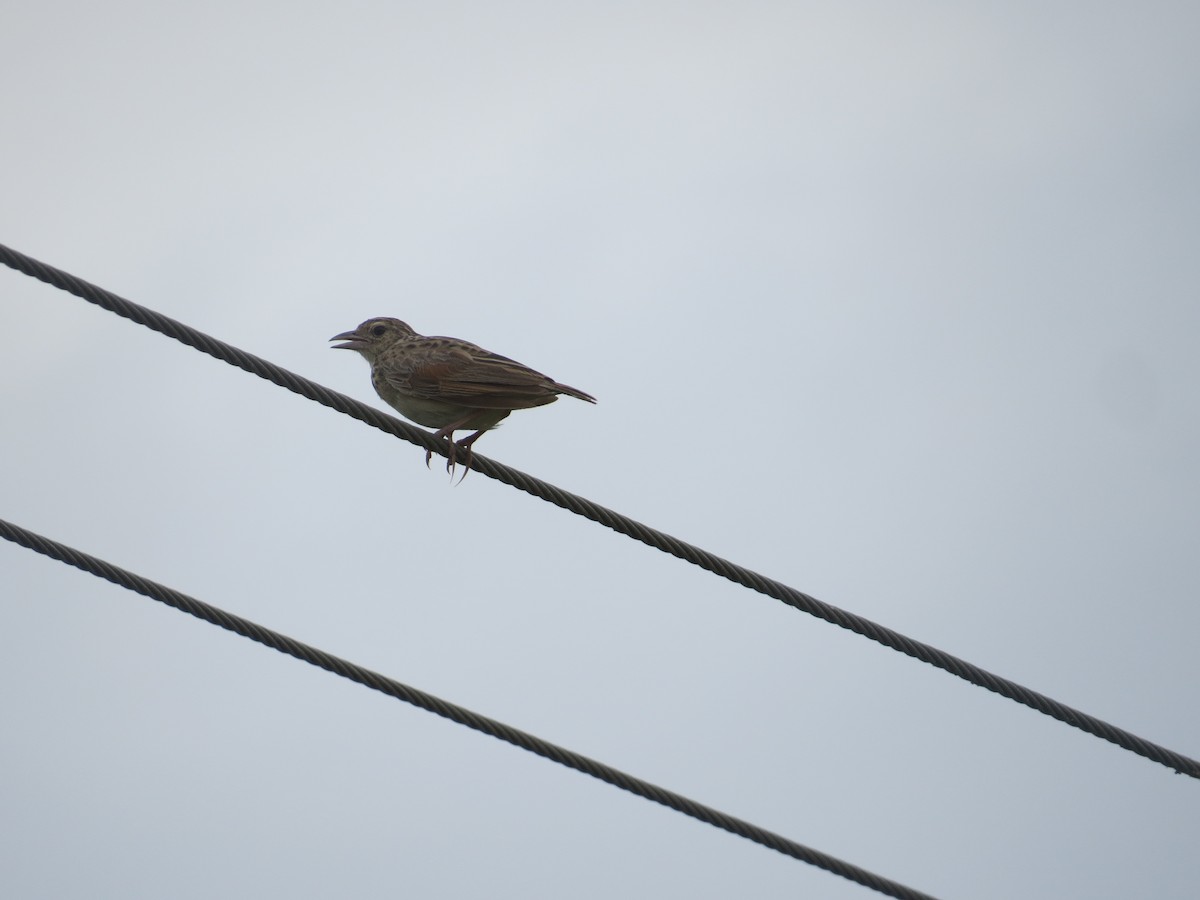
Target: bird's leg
{"x":465,"y":444}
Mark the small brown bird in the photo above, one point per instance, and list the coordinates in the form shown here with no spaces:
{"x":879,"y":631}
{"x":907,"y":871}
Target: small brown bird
{"x":448,"y":384}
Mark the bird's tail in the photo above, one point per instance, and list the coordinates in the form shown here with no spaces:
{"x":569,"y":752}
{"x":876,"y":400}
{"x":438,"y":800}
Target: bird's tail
{"x":573,"y":392}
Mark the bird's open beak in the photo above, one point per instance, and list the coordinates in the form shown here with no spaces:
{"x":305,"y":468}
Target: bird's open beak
{"x":353,"y":341}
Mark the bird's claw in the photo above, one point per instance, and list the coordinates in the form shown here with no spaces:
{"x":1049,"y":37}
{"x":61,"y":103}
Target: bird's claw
{"x":452,"y":450}
{"x":452,"y":458}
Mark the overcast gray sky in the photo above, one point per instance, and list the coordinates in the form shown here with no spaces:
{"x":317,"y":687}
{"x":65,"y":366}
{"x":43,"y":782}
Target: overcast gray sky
{"x":896,"y":303}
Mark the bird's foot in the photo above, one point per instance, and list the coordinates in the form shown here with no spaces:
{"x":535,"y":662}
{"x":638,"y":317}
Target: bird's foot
{"x":465,"y":446}
{"x":452,"y":461}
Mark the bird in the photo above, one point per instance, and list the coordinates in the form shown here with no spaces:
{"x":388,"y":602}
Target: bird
{"x":447,"y":383}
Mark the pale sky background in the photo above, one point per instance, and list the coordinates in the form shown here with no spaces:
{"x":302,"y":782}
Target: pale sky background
{"x":896,"y":303}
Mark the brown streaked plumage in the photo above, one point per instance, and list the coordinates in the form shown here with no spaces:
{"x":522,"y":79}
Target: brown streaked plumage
{"x":446,"y":383}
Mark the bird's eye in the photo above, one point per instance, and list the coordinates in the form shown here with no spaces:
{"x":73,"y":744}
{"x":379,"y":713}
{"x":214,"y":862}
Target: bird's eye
{"x":378,"y":330}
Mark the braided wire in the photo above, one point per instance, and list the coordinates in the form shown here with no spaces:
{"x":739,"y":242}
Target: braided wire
{"x":451,"y":711}
{"x":609,"y":518}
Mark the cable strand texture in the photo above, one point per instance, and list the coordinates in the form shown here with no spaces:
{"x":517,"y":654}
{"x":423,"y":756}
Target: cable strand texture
{"x":451,"y":711}
{"x":606,"y":517}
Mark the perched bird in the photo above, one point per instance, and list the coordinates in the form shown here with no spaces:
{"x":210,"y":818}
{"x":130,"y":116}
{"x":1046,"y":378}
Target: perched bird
{"x":448,"y":384}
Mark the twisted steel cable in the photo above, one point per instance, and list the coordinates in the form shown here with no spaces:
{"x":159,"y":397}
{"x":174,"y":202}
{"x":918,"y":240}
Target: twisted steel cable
{"x":604,"y":516}
{"x":451,"y":711}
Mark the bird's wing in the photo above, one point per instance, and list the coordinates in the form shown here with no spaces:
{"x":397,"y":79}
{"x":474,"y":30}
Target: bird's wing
{"x":473,"y":377}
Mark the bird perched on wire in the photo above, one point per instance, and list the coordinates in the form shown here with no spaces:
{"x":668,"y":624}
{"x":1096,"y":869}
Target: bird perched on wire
{"x":446,"y":383}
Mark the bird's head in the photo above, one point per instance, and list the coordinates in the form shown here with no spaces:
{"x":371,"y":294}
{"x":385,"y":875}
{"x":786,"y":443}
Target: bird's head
{"x":372,"y":336}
